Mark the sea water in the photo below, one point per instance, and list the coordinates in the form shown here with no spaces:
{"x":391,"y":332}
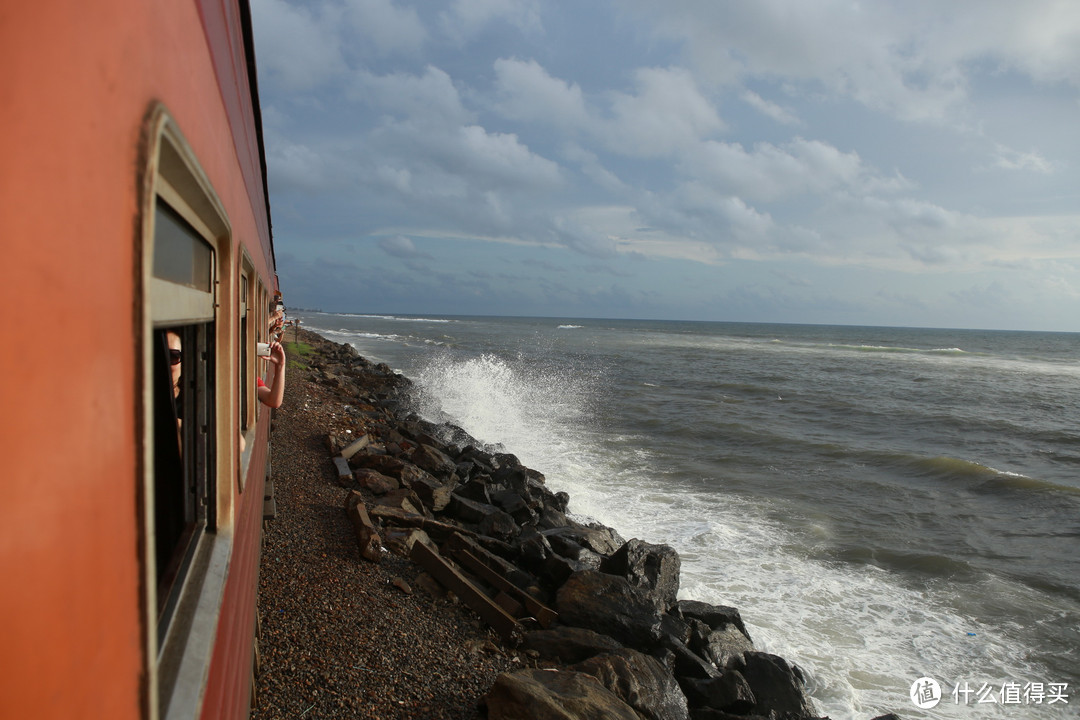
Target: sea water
{"x":882,"y":504}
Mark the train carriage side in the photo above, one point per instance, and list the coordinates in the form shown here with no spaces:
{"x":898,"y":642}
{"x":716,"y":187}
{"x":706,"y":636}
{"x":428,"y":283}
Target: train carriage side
{"x":137,"y":278}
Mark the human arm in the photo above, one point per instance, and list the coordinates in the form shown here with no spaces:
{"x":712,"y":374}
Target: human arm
{"x":274,"y":395}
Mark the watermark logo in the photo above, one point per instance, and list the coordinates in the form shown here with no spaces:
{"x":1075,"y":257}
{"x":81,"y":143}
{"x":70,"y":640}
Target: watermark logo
{"x":925,"y":693}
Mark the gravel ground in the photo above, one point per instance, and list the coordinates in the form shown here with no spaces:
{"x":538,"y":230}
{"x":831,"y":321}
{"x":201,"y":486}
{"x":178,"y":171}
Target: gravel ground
{"x":338,"y":638}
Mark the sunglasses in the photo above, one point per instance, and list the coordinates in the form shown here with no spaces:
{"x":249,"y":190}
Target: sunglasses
{"x":175,"y":356}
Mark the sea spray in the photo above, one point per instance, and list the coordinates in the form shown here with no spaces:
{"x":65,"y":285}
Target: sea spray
{"x":858,"y":635}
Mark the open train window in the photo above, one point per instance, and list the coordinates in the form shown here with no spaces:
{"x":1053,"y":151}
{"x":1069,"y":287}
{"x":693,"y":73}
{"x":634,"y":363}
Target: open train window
{"x":189,"y":428}
{"x":183,"y":397}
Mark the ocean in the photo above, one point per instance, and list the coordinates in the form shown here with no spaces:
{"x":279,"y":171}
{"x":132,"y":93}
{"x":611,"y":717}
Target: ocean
{"x":883,"y":505}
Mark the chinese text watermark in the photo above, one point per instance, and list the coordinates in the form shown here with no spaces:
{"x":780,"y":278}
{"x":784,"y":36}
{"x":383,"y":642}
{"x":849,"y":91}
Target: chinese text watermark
{"x":926,"y":693}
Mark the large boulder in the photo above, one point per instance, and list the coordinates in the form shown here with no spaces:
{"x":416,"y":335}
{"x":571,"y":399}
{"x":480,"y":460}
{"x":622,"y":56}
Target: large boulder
{"x":777,"y":685}
{"x":568,"y":645}
{"x":653,"y":568}
{"x":610,"y":605}
{"x":433,"y":460}
{"x":554,"y":695}
{"x":715,"y":616}
{"x":730,"y":692}
{"x":597,"y":539}
{"x":434,"y":494}
{"x":375,"y":482}
{"x":723,"y":646}
{"x":642,"y":681}
{"x":385,"y":464}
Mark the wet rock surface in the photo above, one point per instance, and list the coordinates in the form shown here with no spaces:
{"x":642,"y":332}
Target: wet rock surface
{"x":340,"y":638}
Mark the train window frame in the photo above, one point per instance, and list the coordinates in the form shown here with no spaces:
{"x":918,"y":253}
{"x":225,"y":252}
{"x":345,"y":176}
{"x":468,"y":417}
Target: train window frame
{"x":180,"y":630}
{"x":248,"y":365}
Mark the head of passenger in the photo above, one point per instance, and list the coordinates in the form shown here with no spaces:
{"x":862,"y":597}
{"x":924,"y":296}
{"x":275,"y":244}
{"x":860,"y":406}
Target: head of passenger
{"x":176,"y":356}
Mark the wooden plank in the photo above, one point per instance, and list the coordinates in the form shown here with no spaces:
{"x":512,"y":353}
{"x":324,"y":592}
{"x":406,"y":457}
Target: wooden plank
{"x":345,"y":474}
{"x":452,"y":579}
{"x":543,"y":614}
{"x":362,"y":442}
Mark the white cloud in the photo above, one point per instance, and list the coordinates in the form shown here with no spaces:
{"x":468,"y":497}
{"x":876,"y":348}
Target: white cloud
{"x":769,"y":109}
{"x":467,"y":18}
{"x":770,"y":173}
{"x":1008,"y":159}
{"x":527,"y":92}
{"x":914,"y":61}
{"x":667,"y":113}
{"x":402,"y":247}
{"x":296,"y":46}
{"x":385,"y":27}
{"x":295,"y":167}
{"x":430,"y":97}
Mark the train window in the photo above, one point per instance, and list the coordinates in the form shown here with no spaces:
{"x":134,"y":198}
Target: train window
{"x":190,"y":430}
{"x":183,"y":395}
{"x":246,"y":349}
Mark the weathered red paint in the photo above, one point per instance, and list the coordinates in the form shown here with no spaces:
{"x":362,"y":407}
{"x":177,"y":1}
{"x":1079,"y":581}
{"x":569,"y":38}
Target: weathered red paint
{"x":78,"y":79}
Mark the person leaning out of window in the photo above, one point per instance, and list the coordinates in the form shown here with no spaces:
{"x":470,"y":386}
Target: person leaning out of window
{"x":272,"y":395}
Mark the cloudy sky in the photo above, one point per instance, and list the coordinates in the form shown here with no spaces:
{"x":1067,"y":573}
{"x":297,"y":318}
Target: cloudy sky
{"x":875,"y":163}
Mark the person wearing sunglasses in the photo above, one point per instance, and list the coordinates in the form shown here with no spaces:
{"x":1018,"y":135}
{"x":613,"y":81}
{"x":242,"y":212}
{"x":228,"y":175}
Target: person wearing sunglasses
{"x":176,"y":357}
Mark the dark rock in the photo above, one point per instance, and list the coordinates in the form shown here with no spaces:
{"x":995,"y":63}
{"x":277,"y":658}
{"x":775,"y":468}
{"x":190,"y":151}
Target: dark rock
{"x":610,"y":605}
{"x":777,"y":685}
{"x":478,"y":458}
{"x":468,"y":510}
{"x":400,"y":541}
{"x":498,"y":525}
{"x":550,"y":519}
{"x":597,"y":538}
{"x":568,"y":645}
{"x":556,"y":570}
{"x":723,"y":646}
{"x":729,"y":692}
{"x":533,"y":546}
{"x":688,"y":664}
{"x":434,"y":495}
{"x":715,"y":616}
{"x":653,"y":568}
{"x":434,"y":461}
{"x":676,"y":628}
{"x":475,"y":490}
{"x":385,"y":464}
{"x":554,"y":695}
{"x":641,"y":681}
{"x":402,"y":498}
{"x":515,"y":505}
{"x":375,"y":482}
{"x":711,"y":714}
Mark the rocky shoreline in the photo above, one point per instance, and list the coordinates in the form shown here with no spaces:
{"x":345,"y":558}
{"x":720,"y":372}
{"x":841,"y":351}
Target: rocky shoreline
{"x":508,"y":607}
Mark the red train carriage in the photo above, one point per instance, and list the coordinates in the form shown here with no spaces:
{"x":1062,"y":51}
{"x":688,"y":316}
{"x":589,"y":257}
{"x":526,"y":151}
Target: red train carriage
{"x":137,"y":277}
